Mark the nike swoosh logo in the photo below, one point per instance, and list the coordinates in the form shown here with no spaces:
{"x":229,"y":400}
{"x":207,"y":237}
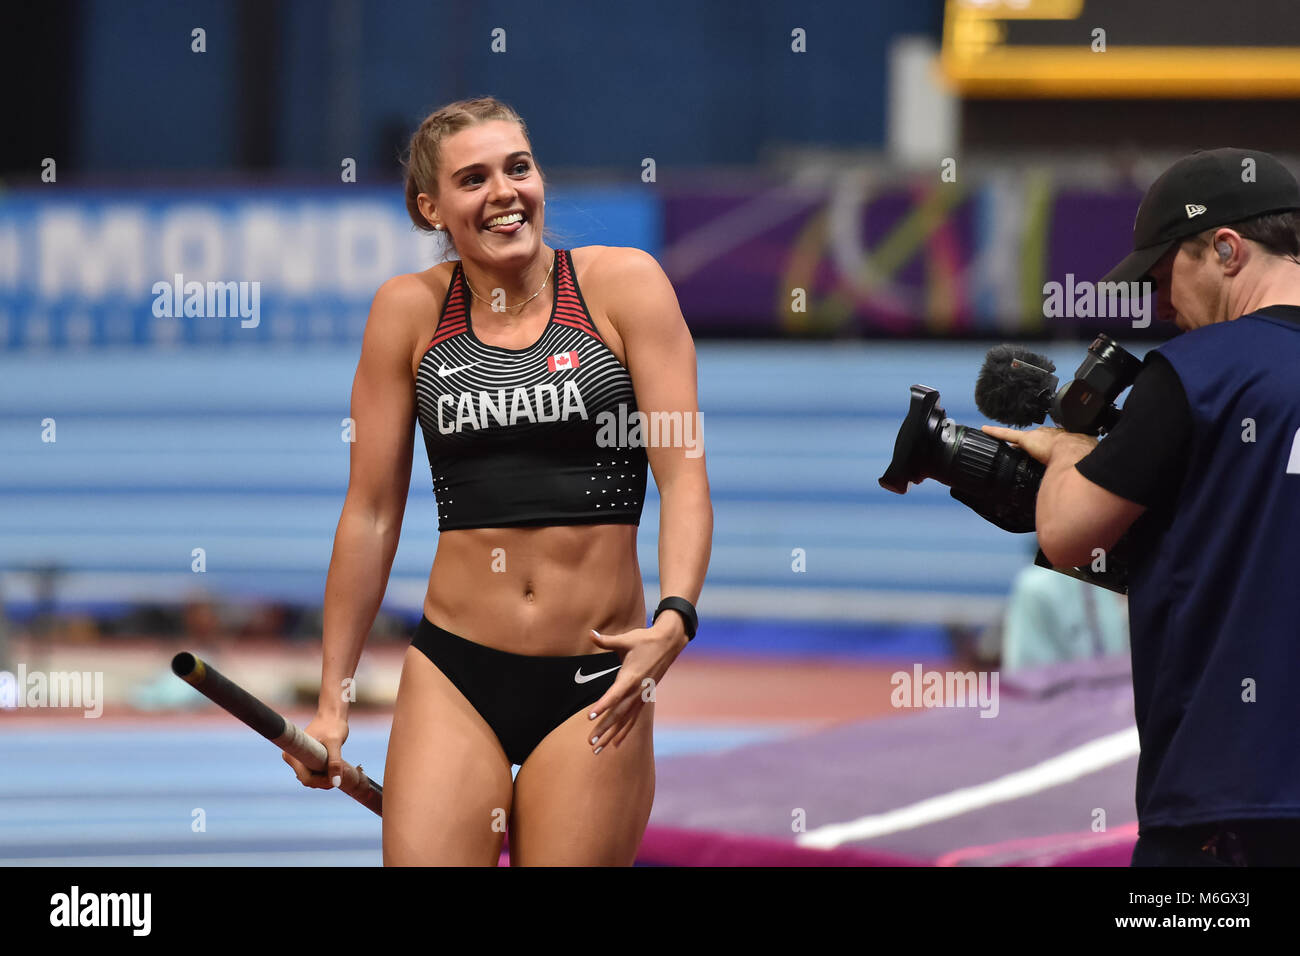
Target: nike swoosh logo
{"x":581,"y":678}
{"x":443,"y":371}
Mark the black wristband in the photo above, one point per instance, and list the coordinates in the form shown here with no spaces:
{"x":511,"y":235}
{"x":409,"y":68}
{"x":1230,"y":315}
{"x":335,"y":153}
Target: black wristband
{"x":683,"y":607}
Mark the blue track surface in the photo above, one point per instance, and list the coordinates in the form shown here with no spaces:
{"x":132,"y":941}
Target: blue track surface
{"x":127,"y":795}
{"x":240,"y":453}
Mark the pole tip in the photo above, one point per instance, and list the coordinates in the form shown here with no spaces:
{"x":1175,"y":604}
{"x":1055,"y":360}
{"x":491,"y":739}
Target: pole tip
{"x":185,"y":664}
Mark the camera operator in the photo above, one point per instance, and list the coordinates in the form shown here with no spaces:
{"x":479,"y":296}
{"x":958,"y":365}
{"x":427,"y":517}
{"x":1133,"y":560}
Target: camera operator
{"x":1204,"y":466}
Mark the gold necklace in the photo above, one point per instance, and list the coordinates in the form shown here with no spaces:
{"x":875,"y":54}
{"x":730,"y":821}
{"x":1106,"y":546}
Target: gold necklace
{"x":504,"y":307}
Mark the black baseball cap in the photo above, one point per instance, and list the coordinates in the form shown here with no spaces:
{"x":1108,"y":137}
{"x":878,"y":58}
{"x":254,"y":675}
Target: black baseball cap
{"x":1211,"y":187}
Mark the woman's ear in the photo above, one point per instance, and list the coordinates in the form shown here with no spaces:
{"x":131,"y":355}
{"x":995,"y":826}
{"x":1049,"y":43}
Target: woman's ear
{"x":427,"y":208}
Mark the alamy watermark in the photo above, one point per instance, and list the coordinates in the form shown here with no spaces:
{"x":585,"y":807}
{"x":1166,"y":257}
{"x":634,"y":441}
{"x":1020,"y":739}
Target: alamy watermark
{"x":75,"y":908}
{"x":651,"y":430}
{"x":922,"y":688}
{"x":83,"y":689}
{"x":211,"y":300}
{"x":1098,"y":300}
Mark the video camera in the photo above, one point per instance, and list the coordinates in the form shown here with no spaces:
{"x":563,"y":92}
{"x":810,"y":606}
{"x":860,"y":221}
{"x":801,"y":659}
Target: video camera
{"x":994,"y":478}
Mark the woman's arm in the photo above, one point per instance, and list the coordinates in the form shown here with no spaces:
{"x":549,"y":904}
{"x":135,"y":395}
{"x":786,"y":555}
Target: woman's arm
{"x":660,"y":355}
{"x":661,"y":359}
{"x":383,"y":417}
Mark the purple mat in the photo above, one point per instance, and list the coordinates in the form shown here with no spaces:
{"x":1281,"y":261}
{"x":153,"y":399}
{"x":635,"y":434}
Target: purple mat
{"x":1049,"y":780}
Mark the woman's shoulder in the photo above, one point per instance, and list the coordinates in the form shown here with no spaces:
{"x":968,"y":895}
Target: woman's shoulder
{"x":414,"y":289}
{"x":403,"y":305}
{"x":630,"y":287}
{"x":615,"y":265}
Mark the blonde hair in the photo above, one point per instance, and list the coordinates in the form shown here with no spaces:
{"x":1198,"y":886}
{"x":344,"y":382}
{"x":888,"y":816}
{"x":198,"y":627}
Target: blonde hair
{"x":424,"y":155}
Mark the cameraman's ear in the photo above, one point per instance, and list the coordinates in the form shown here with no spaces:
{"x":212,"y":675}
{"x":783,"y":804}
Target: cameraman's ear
{"x":1231,"y":250}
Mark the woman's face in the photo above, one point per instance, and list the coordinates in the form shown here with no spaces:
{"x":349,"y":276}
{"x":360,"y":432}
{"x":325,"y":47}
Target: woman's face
{"x":487,"y":171}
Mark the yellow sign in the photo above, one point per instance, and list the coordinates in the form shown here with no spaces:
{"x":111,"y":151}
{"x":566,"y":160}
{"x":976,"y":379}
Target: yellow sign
{"x":979,"y":61}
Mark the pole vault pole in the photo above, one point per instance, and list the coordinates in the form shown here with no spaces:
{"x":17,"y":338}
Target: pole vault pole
{"x":238,"y":702}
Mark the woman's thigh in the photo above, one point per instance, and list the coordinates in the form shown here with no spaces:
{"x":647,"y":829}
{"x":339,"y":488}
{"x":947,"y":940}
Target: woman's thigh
{"x":447,"y":788}
{"x":576,"y":808}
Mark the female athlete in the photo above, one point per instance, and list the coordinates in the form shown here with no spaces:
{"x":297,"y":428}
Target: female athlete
{"x":528,"y":369}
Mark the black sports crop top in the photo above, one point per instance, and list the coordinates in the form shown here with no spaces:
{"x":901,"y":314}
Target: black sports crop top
{"x":532,"y":436}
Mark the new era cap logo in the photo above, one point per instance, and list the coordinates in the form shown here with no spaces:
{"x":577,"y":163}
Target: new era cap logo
{"x":1193,"y":210}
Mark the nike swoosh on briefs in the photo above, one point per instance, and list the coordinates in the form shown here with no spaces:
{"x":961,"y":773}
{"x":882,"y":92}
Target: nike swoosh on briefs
{"x":443,"y":371}
{"x":580,"y":678}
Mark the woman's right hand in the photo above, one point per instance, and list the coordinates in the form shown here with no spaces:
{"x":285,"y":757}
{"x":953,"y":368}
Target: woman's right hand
{"x":331,"y":730}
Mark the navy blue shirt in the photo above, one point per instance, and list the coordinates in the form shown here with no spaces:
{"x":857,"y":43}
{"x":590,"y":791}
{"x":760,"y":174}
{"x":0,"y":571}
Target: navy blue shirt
{"x":1214,"y":609}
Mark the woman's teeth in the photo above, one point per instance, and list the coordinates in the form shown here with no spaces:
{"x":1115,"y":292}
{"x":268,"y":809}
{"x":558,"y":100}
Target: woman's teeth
{"x":505,"y":223}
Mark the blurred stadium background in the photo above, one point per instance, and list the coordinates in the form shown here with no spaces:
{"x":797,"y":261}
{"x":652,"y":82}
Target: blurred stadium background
{"x":919,"y":170}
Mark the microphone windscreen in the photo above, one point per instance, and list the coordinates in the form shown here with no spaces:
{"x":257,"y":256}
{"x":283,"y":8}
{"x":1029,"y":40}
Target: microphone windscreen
{"x":1011,"y":394}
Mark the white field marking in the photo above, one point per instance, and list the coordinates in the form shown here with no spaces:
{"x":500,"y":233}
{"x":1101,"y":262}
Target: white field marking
{"x":1085,"y":759}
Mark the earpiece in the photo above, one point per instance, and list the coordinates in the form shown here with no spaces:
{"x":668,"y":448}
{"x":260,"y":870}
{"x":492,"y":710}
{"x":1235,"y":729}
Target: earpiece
{"x":1224,"y":250}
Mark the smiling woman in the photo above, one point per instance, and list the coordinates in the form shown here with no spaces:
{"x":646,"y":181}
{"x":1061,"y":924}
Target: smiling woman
{"x":427,"y":157}
{"x":533,"y":649}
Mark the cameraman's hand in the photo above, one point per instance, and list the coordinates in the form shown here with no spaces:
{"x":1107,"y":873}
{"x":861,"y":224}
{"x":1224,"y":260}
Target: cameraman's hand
{"x":1040,"y":443}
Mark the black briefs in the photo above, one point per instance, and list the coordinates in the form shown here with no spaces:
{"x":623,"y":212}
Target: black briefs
{"x":522,"y":698}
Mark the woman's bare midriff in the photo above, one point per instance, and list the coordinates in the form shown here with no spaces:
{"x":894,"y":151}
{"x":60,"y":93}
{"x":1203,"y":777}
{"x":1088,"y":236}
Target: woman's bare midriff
{"x":537,"y":591}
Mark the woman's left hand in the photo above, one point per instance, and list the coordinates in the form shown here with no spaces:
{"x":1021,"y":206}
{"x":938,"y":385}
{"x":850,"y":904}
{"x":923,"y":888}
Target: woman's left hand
{"x":646,"y":653}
